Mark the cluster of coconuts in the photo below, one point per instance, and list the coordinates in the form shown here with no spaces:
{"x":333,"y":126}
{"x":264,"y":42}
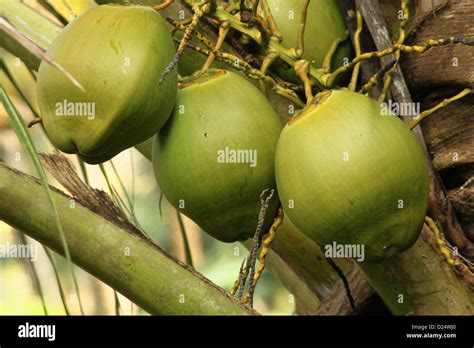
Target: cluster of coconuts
{"x":343,"y":172}
{"x":324,"y":24}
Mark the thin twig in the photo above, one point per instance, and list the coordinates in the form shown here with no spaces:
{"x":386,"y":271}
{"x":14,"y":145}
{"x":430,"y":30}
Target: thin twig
{"x":302,"y":70}
{"x":332,"y":50}
{"x":442,"y":104}
{"x":397,"y":47}
{"x":271,"y":21}
{"x":241,"y":65}
{"x":243,"y":276}
{"x":376,"y":78}
{"x":262,"y":256}
{"x":358,"y":51}
{"x":34,"y":275}
{"x":401,"y":39}
{"x":163,"y":5}
{"x":300,"y":39}
{"x":199,"y":11}
{"x":223,"y":31}
{"x":237,"y":283}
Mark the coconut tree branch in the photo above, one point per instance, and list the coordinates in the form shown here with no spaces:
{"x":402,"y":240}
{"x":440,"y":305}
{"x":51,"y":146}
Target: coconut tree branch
{"x":129,"y":263}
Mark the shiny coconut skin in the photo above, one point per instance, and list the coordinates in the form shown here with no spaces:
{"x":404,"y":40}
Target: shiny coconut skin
{"x":348,"y":170}
{"x":219,"y":109}
{"x":118,"y":54}
{"x":324,"y":24}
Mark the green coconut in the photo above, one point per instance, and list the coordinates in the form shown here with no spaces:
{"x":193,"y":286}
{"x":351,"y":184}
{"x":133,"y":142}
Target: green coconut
{"x":348,"y":174}
{"x":215,"y":155}
{"x":118,"y":54}
{"x":324,"y":24}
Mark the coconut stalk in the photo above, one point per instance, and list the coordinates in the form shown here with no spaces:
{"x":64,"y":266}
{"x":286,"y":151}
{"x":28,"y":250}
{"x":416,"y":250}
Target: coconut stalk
{"x":127,"y":262}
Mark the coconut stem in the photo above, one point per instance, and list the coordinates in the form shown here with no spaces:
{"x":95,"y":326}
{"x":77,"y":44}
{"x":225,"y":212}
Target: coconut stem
{"x":267,"y":61}
{"x":300,"y":39}
{"x":255,"y":6}
{"x":444,"y":103}
{"x":358,"y":51}
{"x":302,"y":70}
{"x":199,"y":11}
{"x":163,"y":5}
{"x":223,"y":31}
{"x":36,"y":120}
{"x":241,"y":65}
{"x":243,"y":277}
{"x":256,"y":34}
{"x":238,"y":281}
{"x":332,"y":50}
{"x":263,"y":255}
{"x":264,"y":203}
{"x":320,"y":78}
{"x":248,"y":267}
{"x":401,"y":39}
{"x":271,"y":21}
{"x":376,"y":77}
{"x":329,"y":79}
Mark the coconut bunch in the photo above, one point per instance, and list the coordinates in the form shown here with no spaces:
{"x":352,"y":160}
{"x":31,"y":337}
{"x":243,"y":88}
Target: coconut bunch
{"x":344,"y":171}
